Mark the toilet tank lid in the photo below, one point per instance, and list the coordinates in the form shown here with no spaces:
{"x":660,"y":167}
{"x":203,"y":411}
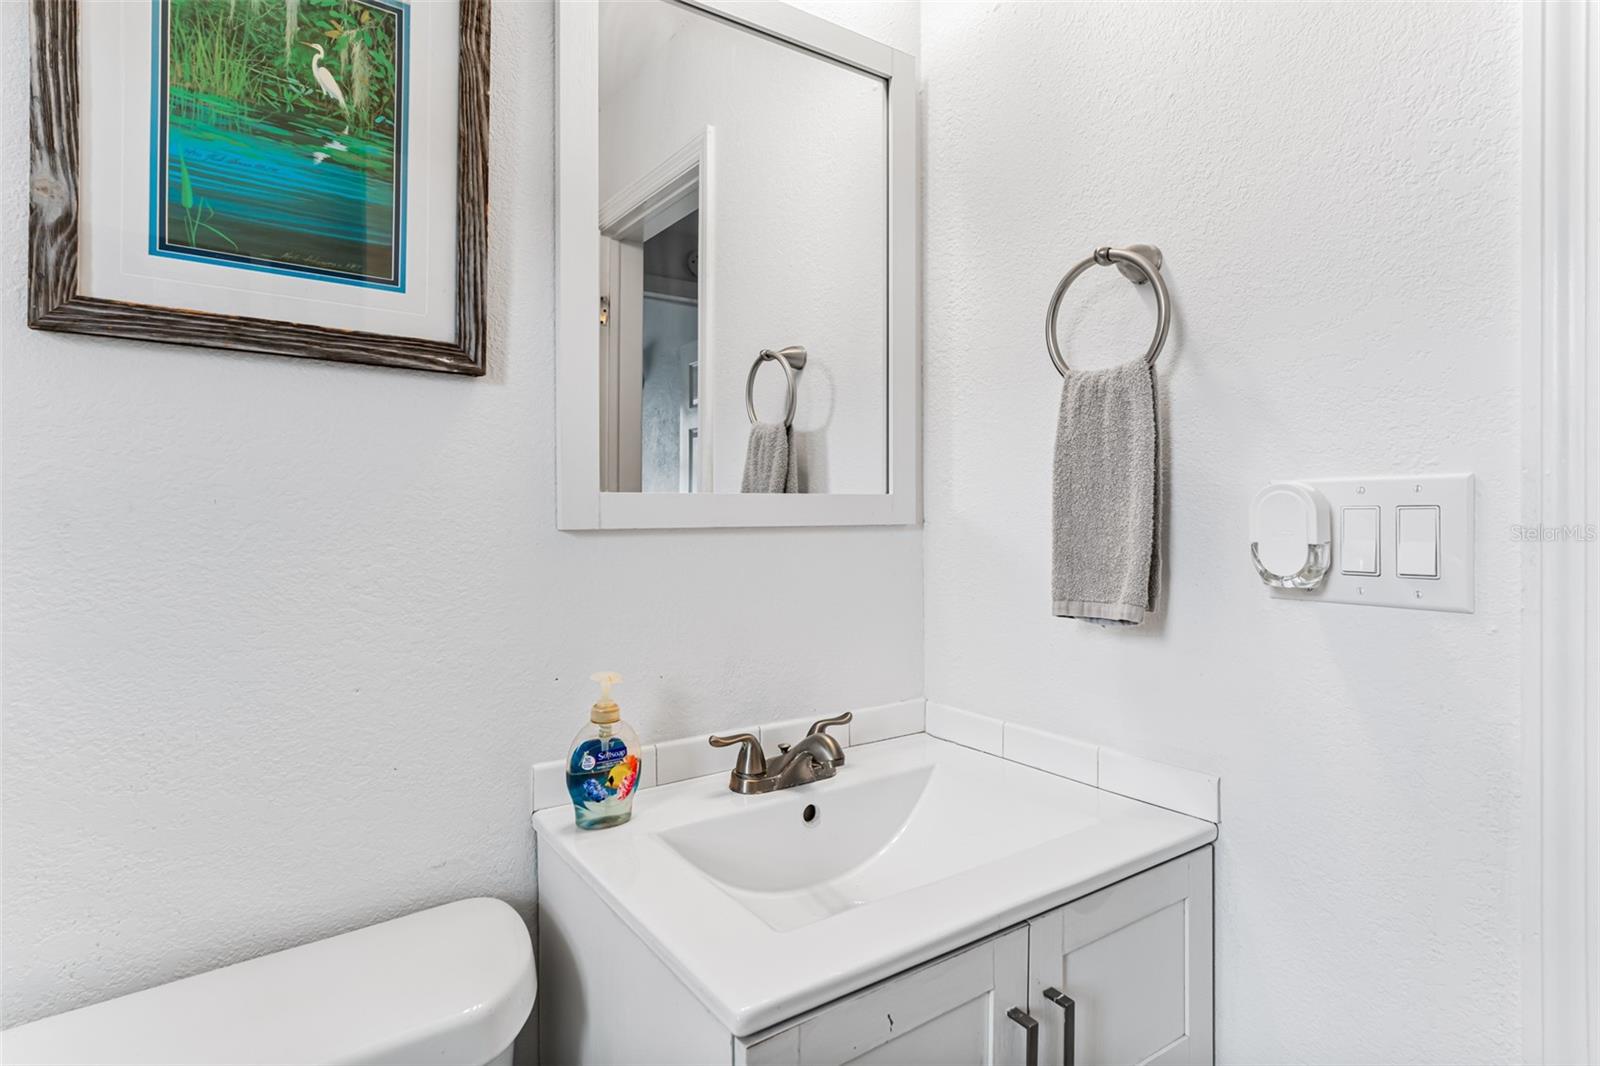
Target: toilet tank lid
{"x":452,"y":984}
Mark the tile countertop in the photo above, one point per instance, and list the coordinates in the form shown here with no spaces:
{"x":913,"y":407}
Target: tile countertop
{"x":707,"y":938}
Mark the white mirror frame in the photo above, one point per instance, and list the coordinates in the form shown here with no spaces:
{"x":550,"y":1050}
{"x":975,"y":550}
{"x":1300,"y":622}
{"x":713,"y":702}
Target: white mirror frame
{"x":580,"y":504}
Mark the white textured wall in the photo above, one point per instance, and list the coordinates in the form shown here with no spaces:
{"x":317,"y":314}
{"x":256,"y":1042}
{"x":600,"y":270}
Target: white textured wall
{"x":282,"y":638}
{"x":1336,"y":191}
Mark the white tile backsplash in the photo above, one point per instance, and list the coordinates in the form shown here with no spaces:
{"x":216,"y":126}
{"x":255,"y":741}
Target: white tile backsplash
{"x":887,"y":721}
{"x":1173,"y":787}
{"x":1186,"y":791}
{"x":1052,"y":753}
{"x":679,"y":760}
{"x":792,"y":730}
{"x":550,"y":784}
{"x":965,"y":728}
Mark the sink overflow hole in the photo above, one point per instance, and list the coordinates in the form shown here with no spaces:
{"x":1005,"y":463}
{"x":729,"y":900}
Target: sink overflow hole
{"x":810,"y":813}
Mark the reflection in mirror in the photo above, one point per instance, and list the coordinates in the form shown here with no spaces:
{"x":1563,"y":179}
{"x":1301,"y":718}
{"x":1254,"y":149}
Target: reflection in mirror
{"x":671,"y":361}
{"x":743,"y":209}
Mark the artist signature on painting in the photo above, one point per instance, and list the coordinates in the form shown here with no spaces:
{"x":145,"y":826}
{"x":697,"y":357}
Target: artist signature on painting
{"x":291,"y":255}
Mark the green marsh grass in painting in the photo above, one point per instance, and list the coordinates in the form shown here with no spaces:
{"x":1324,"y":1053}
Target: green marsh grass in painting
{"x":279,"y":130}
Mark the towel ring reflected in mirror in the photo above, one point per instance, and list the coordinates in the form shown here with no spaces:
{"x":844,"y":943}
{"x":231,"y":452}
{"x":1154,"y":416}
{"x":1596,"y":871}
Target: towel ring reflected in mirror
{"x":792,"y":359}
{"x":1139,"y":263}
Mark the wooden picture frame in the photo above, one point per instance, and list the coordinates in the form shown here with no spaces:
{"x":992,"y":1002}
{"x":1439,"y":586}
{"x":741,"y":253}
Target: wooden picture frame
{"x":55,"y":302}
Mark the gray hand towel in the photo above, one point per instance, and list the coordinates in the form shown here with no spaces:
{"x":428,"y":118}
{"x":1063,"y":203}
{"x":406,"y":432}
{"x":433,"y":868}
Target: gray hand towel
{"x":1105,"y":565}
{"x":769,"y":461}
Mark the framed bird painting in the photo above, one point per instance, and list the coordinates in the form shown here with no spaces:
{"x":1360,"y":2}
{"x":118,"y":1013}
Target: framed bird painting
{"x":294,"y":177}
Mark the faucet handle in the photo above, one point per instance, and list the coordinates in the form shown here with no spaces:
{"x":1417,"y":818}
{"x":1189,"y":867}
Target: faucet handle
{"x":752,"y":761}
{"x":819,"y":729}
{"x":823,"y":724}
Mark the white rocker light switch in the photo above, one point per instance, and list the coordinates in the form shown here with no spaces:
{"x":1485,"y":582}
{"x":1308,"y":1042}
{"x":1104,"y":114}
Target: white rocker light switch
{"x":1358,"y":540}
{"x":1417,"y":541}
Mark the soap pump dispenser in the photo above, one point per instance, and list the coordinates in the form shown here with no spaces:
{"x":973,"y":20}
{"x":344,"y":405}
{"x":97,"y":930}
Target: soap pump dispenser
{"x":603,"y":765}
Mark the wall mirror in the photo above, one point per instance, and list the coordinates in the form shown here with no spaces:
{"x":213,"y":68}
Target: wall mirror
{"x":737,"y":269}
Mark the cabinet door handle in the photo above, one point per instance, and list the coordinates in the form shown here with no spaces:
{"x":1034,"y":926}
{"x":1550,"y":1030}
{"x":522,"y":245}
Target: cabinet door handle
{"x":1069,"y":1035}
{"x":1030,"y":1026}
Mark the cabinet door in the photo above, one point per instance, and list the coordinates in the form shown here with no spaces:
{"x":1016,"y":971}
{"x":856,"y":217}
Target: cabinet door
{"x":1135,"y":959}
{"x":949,"y":1012}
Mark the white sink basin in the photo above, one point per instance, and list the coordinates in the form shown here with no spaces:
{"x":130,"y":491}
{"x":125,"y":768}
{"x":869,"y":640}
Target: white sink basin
{"x":790,"y":871}
{"x":873,"y":837}
{"x":916,"y":847}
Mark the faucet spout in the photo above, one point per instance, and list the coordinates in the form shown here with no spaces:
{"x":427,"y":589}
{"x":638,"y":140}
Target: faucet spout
{"x":816,"y":758}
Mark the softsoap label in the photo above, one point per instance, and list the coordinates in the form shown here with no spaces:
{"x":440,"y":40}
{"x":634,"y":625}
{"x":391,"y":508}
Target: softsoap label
{"x":590,"y":761}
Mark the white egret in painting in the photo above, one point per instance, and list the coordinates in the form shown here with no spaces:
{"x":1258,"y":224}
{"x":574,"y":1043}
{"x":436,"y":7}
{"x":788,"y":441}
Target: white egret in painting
{"x":324,"y":78}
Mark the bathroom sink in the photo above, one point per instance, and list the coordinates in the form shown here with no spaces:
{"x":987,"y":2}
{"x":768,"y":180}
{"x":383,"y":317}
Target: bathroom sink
{"x":767,"y":854}
{"x":916,"y":847}
{"x":791,"y":864}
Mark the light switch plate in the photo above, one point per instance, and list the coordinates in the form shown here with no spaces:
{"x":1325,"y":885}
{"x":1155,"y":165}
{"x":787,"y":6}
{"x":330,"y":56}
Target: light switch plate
{"x":1452,"y":590}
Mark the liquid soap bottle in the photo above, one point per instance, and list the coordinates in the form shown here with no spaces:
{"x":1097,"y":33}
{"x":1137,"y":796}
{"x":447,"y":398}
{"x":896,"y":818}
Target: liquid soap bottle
{"x":603,"y":765}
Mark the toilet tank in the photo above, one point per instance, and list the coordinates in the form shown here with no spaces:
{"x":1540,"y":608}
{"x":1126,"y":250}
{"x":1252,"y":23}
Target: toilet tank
{"x":453,"y":984}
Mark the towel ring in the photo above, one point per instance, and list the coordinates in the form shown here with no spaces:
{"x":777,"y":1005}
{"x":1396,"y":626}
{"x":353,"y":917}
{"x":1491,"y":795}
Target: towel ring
{"x":1139,"y":263}
{"x":792,"y":358}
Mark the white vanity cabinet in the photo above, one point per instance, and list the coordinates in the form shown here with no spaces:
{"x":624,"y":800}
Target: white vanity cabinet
{"x":1134,"y":960}
{"x":950,"y":1010}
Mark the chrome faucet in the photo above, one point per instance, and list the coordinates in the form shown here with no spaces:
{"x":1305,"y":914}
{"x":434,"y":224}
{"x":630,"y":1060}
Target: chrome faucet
{"x":816,"y":757}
